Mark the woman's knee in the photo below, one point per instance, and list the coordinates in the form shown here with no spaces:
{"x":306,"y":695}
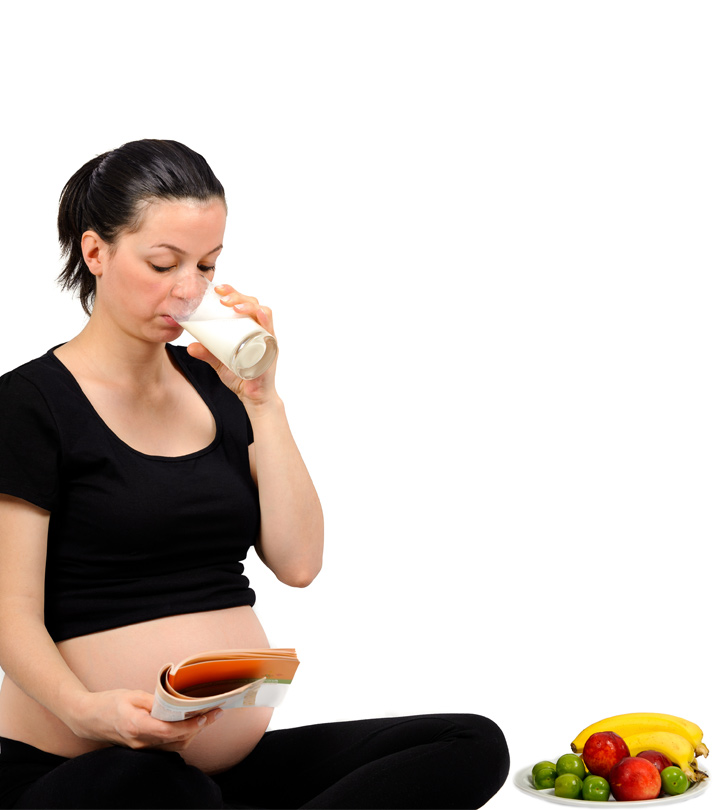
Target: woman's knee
{"x":484,"y":751}
{"x":167,"y":776}
{"x":123,"y":778}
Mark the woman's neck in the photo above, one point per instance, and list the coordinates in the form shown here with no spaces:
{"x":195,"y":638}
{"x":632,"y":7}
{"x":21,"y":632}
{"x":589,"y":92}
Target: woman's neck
{"x":107,"y":354}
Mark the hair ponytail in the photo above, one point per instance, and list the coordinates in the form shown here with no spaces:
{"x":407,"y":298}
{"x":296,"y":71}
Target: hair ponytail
{"x":71,"y":221}
{"x":108,"y":195}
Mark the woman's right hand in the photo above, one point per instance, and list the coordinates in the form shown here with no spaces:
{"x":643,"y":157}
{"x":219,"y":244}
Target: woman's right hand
{"x":122,"y":717}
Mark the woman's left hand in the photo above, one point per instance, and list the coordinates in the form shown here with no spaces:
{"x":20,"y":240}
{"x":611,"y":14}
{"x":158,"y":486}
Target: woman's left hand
{"x":257,"y":391}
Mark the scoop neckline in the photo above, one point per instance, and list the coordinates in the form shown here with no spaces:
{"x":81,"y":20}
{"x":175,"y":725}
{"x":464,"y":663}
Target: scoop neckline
{"x":174,"y":352}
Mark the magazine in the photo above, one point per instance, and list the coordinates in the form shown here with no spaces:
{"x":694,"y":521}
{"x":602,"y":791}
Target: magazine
{"x":229,"y":679}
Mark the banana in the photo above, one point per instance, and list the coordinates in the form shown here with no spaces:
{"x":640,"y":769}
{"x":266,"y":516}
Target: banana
{"x":678,"y":749}
{"x":640,"y":722}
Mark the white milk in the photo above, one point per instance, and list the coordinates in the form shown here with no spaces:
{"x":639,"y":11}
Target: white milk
{"x":240,"y":343}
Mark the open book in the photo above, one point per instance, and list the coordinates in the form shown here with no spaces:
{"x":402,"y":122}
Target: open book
{"x":230,"y":679}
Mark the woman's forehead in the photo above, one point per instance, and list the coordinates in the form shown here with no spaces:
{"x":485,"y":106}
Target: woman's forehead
{"x":181,"y":223}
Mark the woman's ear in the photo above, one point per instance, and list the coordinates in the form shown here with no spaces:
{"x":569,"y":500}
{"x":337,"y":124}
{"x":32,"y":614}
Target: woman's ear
{"x":94,"y":251}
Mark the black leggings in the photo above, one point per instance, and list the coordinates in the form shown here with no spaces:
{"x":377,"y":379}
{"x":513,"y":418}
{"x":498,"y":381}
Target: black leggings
{"x":433,"y":761}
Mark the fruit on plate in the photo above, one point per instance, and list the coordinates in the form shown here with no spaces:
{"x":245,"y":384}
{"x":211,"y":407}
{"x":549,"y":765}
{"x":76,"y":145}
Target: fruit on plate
{"x":674,"y":781}
{"x":634,"y":779}
{"x":602,"y":751}
{"x":544,"y":774}
{"x":659,"y":760}
{"x":595,"y":789}
{"x":545,"y":763}
{"x":679,"y":750}
{"x":634,"y":754}
{"x":569,"y":786}
{"x":545,"y":778}
{"x":640,"y":722}
{"x":570,"y":763}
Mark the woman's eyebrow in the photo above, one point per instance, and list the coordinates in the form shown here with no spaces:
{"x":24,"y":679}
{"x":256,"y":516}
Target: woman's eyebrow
{"x":183,"y":252}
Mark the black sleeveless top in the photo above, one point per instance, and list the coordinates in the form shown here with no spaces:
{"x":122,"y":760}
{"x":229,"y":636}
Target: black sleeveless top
{"x":132,"y":537}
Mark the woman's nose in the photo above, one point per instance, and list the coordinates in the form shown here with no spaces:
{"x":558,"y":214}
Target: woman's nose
{"x":190,"y":285}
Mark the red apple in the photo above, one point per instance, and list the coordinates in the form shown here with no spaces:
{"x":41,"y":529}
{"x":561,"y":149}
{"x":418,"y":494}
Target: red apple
{"x":634,"y":779}
{"x":659,"y":760}
{"x":603,"y":751}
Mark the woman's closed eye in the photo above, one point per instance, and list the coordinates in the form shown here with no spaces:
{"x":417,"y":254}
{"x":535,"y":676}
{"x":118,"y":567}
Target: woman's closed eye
{"x":204,"y":268}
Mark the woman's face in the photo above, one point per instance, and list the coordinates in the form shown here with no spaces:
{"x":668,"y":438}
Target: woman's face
{"x":147,"y":270}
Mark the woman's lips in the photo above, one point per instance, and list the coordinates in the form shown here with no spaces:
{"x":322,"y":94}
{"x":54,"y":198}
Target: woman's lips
{"x":170,"y":321}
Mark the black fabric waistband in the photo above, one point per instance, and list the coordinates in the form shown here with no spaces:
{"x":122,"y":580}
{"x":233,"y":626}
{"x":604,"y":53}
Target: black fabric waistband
{"x":15,"y":751}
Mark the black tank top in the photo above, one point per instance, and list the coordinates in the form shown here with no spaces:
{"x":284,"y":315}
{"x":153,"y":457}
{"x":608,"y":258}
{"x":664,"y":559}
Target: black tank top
{"x":132,"y":537}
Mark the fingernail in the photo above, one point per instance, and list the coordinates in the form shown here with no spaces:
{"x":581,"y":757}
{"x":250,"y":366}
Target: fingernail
{"x":202,"y":720}
{"x":239,"y":307}
{"x":220,"y":288}
{"x":226,"y":298}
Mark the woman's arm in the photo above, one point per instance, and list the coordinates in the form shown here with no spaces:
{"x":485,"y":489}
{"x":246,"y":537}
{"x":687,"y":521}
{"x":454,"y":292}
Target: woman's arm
{"x":291,"y":528}
{"x":30,"y":658}
{"x":27,"y":653}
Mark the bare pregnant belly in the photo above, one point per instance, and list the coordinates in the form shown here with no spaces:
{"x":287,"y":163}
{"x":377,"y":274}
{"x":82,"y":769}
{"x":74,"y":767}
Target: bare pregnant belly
{"x":129,"y":658}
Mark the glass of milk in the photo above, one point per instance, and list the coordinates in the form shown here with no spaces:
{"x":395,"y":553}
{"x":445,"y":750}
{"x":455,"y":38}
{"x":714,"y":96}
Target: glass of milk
{"x":239,"y":342}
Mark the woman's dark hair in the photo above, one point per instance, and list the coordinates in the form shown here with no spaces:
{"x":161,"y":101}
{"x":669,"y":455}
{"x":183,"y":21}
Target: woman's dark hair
{"x":110,"y":192}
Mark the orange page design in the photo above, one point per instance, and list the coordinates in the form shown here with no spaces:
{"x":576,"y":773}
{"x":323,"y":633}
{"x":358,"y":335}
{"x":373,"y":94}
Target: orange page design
{"x":194,"y":672}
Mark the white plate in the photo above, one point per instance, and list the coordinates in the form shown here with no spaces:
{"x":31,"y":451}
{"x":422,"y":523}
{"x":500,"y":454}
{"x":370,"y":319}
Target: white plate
{"x":523,"y":781}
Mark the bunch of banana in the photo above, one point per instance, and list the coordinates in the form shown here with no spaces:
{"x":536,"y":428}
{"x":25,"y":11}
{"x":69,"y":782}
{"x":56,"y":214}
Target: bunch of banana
{"x":680,"y":740}
{"x":678,"y":749}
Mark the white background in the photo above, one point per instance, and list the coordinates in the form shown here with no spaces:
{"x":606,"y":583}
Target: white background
{"x":501,"y":221}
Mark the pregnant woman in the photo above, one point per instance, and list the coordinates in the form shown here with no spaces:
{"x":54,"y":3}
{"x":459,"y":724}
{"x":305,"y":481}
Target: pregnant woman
{"x":134,"y":477}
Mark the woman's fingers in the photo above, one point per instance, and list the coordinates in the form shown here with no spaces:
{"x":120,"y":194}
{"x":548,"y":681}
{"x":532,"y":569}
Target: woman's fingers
{"x":175,"y":736}
{"x":183,"y":729}
{"x":141,"y":730}
{"x":246,"y":305}
{"x":199,"y":352}
{"x":183,"y":732}
{"x":265,"y":319}
{"x":232,"y":298}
